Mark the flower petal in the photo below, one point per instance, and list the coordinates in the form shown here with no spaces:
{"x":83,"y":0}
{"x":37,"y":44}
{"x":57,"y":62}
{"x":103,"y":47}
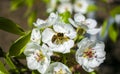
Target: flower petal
{"x":57,"y":66}
{"x":94,"y":31}
{"x":30,"y":48}
{"x":32,"y":63}
{"x":47,"y":35}
{"x":35,"y":36}
{"x":65,"y":7}
{"x":44,"y":65}
{"x":91,"y":23}
{"x":79,"y":17}
{"x":73,"y":23}
{"x":59,"y":28}
{"x":47,"y":50}
{"x":39,"y":23}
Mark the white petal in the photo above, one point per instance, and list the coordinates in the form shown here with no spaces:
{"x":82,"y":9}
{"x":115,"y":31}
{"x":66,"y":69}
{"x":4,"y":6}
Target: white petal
{"x":51,"y":6}
{"x":67,"y":45}
{"x":56,"y":67}
{"x":93,"y":63}
{"x":52,"y":19}
{"x":30,"y":48}
{"x":82,"y":8}
{"x":94,"y":31}
{"x":91,"y":23}
{"x":47,"y":50}
{"x":86,"y":65}
{"x":35,"y":36}
{"x":64,"y":1}
{"x":65,"y":7}
{"x":71,"y":33}
{"x":39,"y":22}
{"x":59,"y":28}
{"x":73,"y":23}
{"x":79,"y":17}
{"x":32,"y":63}
{"x":58,"y":48}
{"x":47,"y":35}
{"x":44,"y":65}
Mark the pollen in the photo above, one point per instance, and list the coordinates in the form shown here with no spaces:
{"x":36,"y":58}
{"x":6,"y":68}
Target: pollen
{"x":60,"y":72}
{"x":39,"y":56}
{"x":88,"y":53}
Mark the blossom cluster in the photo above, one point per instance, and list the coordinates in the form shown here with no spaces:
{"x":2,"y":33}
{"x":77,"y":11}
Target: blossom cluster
{"x":62,"y":6}
{"x":53,"y":35}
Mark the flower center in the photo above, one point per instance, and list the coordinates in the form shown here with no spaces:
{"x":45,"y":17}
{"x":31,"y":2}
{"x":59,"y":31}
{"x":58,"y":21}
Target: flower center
{"x":59,"y":38}
{"x":39,"y":56}
{"x":60,"y":72}
{"x":88,"y":53}
{"x":80,"y":31}
{"x":79,"y":4}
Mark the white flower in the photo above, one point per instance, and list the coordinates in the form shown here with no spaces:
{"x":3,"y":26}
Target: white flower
{"x":37,"y":58}
{"x":51,"y":6}
{"x":58,"y":68}
{"x":65,"y":7}
{"x":64,"y":1}
{"x":60,"y":39}
{"x":90,"y":54}
{"x":88,"y":24}
{"x":117,"y":18}
{"x":81,"y":6}
{"x":45,"y":23}
{"x":35,"y":35}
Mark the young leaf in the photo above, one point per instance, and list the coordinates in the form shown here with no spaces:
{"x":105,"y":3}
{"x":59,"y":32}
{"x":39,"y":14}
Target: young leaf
{"x":104,"y":28}
{"x":15,"y":4}
{"x":31,"y":18}
{"x":2,"y":69}
{"x":115,"y":11}
{"x":18,"y":46}
{"x":65,"y":16}
{"x":92,"y":8}
{"x":113,"y":33}
{"x":10,"y":26}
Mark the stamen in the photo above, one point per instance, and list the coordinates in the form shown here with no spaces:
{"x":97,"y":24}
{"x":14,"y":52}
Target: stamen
{"x":39,"y":56}
{"x":88,"y":53}
{"x":60,"y":72}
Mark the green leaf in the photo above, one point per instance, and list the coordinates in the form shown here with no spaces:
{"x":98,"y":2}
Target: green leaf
{"x":15,"y":4}
{"x":113,"y":33}
{"x":18,"y":46}
{"x":2,"y":69}
{"x":32,"y":18}
{"x":29,"y":3}
{"x":35,"y":72}
{"x":46,"y":1}
{"x":64,"y":16}
{"x":115,"y":11}
{"x":10,"y":26}
{"x":104,"y":25}
{"x":92,"y":8}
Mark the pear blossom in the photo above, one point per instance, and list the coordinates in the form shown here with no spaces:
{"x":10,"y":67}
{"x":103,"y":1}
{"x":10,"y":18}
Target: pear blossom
{"x":60,"y":38}
{"x":51,"y":6}
{"x":37,"y":58}
{"x":58,"y":68}
{"x":35,"y":35}
{"x":64,"y":1}
{"x":81,"y":6}
{"x":46,"y":23}
{"x":88,"y":24}
{"x":90,"y":54}
{"x":117,"y":18}
{"x":63,"y":7}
